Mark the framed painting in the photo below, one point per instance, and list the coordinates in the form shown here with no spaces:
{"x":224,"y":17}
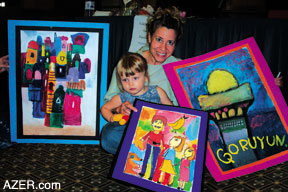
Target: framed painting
{"x":57,"y":80}
{"x":247,"y":112}
{"x":163,"y":148}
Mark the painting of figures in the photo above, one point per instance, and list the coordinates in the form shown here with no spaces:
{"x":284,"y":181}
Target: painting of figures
{"x":248,"y":115}
{"x":164,"y":147}
{"x":57,"y":77}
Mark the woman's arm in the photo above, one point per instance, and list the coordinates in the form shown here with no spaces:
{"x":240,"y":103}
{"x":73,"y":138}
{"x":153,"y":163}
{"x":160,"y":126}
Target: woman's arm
{"x":163,"y":96}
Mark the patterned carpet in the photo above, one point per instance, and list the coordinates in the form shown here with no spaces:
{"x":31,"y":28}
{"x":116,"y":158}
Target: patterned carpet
{"x":87,"y":167}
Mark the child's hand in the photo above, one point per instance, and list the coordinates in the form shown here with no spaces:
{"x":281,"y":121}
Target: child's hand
{"x":126,"y":108}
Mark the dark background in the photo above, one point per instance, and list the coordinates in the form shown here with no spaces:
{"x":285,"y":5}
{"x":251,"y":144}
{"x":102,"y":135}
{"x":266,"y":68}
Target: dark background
{"x":69,"y":10}
{"x":66,"y":10}
{"x":211,"y":25}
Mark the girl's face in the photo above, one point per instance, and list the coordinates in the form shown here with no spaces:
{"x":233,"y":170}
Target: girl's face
{"x":134,"y":84}
{"x":162,"y":45}
{"x":189,"y":152}
{"x":174,"y":142}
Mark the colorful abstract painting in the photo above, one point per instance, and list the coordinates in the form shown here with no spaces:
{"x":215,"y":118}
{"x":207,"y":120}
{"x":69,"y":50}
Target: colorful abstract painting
{"x":163,"y":148}
{"x":247,"y":112}
{"x":57,"y":71}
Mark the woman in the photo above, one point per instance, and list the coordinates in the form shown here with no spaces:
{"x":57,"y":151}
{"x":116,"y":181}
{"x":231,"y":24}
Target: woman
{"x":163,"y":31}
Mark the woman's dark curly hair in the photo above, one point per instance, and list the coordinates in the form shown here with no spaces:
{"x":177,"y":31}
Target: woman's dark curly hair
{"x":168,"y":17}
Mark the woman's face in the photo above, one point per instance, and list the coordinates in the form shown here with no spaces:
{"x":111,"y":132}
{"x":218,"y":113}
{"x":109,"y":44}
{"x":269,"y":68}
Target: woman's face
{"x":162,"y":45}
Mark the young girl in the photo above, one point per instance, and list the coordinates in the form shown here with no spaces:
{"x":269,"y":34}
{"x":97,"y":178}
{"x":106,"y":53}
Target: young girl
{"x":163,"y":31}
{"x":132,"y":77}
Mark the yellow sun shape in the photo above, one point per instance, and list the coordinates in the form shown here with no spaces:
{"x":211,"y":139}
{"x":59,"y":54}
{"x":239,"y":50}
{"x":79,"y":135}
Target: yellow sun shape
{"x":220,"y":81}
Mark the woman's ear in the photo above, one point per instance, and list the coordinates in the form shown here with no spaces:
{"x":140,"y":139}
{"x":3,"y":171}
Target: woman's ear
{"x":149,"y":38}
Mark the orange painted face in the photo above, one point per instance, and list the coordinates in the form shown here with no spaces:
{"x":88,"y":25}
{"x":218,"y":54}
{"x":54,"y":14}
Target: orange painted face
{"x":189,"y":152}
{"x":32,"y":51}
{"x":158,"y":125}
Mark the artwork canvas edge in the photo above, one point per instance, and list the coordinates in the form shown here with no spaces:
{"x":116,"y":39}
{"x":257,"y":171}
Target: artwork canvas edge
{"x":128,"y":138}
{"x":12,"y":24}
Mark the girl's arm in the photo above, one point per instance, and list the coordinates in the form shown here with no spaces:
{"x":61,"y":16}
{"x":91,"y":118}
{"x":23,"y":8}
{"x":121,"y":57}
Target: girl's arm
{"x":164,"y":97}
{"x":107,"y":108}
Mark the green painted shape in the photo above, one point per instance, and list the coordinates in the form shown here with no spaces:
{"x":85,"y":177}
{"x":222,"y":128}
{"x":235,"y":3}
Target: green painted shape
{"x":240,"y":94}
{"x":78,"y":49}
{"x":56,"y":120}
{"x":232,"y":125}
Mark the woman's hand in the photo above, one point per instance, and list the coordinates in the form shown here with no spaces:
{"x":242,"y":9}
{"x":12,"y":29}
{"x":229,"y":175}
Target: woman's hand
{"x":278,"y":81}
{"x":126,"y":108}
{"x":4,"y":63}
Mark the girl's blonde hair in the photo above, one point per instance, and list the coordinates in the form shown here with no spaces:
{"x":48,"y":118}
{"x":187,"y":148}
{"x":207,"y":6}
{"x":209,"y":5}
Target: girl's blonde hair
{"x":128,"y":65}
